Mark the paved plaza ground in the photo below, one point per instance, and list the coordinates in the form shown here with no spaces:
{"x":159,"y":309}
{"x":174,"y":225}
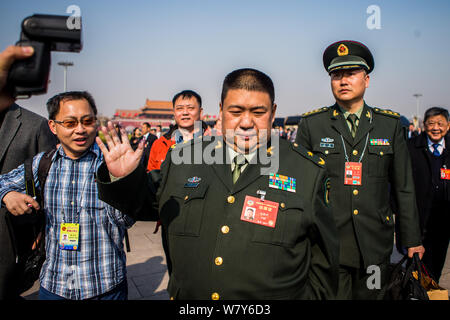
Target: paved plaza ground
{"x":147,"y":272}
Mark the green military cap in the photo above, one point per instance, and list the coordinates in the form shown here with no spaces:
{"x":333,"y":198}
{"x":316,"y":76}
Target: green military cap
{"x":347,"y":54}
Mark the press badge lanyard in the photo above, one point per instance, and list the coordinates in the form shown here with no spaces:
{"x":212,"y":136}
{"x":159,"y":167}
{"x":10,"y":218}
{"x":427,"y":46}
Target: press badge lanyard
{"x":69,"y":234}
{"x":81,"y":195}
{"x":353,"y":170}
{"x":362,"y":154}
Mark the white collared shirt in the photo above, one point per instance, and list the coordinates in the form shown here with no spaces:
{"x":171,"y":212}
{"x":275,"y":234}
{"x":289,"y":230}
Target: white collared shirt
{"x":440,"y":148}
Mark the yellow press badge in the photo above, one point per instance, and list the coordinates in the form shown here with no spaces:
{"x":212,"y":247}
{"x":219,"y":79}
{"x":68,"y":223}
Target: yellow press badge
{"x":68,"y":236}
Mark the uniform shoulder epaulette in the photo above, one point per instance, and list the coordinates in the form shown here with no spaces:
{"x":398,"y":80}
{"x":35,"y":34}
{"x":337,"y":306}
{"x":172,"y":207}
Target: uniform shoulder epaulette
{"x":316,"y":111}
{"x":308,"y":155}
{"x":387,"y":112}
{"x":187,"y":143}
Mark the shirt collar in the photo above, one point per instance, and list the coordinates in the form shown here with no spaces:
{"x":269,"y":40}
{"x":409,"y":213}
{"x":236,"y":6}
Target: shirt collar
{"x":94,"y":148}
{"x":346,"y":113}
{"x":233,"y":154}
{"x":441,"y":143}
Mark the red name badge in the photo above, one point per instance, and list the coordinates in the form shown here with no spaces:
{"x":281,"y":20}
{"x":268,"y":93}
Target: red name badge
{"x":260,"y":212}
{"x":353,"y":173}
{"x":445,"y":174}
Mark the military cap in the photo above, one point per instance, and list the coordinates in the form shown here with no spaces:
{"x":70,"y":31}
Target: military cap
{"x":347,"y":54}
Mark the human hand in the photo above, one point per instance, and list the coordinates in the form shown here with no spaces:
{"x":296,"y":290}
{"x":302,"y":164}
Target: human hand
{"x":120,"y":158}
{"x":18,"y":203}
{"x":420,"y":250}
{"x":7,"y":57}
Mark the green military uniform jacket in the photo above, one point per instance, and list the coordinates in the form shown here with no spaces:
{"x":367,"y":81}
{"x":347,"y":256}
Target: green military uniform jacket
{"x":216,"y":255}
{"x":363,"y":214}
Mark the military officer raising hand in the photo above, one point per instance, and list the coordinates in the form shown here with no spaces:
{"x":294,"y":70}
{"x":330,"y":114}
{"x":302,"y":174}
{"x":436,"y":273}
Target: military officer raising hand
{"x":235,"y":225}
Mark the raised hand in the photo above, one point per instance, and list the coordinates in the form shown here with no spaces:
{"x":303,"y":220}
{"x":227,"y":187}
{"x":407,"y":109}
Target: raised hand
{"x":120,"y":158}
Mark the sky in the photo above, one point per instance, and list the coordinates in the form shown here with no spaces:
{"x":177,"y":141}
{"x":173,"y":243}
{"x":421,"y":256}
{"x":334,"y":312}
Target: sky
{"x":134,"y":50}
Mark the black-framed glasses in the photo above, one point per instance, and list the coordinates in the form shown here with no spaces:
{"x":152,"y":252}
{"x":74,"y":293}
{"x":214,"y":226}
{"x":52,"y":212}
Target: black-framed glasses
{"x":73,"y":123}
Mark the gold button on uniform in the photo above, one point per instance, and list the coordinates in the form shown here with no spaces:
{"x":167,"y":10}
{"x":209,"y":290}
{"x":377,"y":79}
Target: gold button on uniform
{"x":355,"y":152}
{"x":326,"y":151}
{"x":355,"y":212}
{"x":387,"y":218}
{"x":187,"y":197}
{"x":355,"y":192}
{"x":230,"y":199}
{"x":218,"y":261}
{"x":215,"y":296}
{"x":225,"y":229}
{"x":381,"y":153}
{"x":282,"y":205}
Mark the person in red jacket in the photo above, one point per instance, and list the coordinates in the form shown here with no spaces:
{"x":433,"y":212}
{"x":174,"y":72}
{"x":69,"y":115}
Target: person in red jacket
{"x":187,"y":109}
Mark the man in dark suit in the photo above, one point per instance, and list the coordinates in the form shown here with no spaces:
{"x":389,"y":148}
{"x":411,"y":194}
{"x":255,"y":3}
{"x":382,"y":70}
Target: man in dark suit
{"x":23,"y":134}
{"x":288,"y":251}
{"x":148,"y":138}
{"x":430,"y":157}
{"x":366,"y":154}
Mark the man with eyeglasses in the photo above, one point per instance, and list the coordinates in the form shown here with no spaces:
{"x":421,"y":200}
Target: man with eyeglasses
{"x":84,"y":236}
{"x":431,"y":170}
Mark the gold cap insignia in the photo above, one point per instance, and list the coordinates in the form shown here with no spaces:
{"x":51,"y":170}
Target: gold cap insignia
{"x":342,"y":50}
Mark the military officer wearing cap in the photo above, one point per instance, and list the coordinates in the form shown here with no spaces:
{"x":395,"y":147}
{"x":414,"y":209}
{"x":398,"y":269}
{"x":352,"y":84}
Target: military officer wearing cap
{"x":366,"y":156}
{"x":233,"y":230}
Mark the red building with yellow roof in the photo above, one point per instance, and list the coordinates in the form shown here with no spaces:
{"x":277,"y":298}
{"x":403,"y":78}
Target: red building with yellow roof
{"x":154,"y":112}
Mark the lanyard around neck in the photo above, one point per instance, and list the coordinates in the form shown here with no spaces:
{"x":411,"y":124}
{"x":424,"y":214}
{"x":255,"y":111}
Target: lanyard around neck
{"x":83,"y":189}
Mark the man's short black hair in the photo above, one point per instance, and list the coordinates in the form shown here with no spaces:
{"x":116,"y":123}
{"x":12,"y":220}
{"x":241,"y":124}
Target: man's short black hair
{"x":54,"y":103}
{"x":250,"y":80}
{"x":147,"y":125}
{"x":187,"y":94}
{"x":436,"y":111}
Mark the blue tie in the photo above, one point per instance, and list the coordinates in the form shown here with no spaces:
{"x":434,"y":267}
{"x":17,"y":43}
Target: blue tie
{"x":436,"y":151}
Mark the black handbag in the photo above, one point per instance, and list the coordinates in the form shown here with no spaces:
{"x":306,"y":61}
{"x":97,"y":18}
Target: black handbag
{"x":403,"y":285}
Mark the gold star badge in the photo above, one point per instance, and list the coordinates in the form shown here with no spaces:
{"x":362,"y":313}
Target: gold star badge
{"x":342,"y":50}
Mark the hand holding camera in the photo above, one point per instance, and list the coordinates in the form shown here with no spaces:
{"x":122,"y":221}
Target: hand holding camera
{"x":7,"y":57}
{"x":25,"y":68}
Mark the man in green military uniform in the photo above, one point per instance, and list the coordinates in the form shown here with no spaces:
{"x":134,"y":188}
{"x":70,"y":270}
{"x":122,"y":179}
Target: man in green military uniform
{"x":285,"y":249}
{"x":366,"y":158}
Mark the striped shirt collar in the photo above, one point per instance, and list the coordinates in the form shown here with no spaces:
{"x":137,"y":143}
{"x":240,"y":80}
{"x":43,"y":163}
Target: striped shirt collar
{"x":94,"y":148}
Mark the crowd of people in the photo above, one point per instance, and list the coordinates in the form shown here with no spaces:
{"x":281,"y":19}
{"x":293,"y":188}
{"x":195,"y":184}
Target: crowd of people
{"x":311,"y":227}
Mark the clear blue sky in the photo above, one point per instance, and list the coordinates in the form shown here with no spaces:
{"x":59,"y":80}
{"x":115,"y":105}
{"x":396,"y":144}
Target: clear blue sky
{"x":135,"y":50}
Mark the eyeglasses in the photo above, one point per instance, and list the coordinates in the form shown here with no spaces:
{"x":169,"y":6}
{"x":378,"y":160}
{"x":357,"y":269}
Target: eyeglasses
{"x":73,"y":123}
